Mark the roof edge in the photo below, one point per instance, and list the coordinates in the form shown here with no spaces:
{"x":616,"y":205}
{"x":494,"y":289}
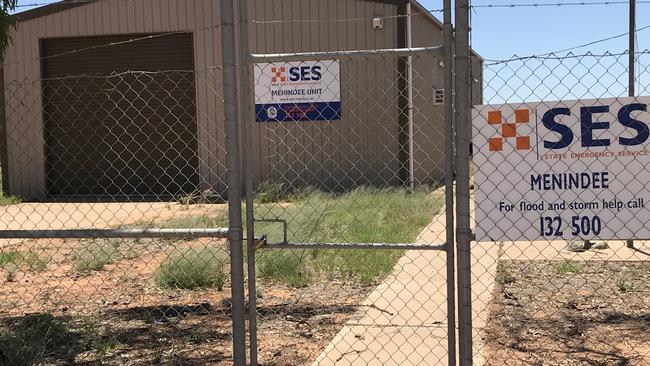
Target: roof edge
{"x":436,"y":21}
{"x":427,"y":13}
{"x":49,"y":9}
{"x":69,"y":4}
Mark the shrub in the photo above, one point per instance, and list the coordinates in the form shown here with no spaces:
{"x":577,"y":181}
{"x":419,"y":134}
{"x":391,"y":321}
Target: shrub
{"x":36,"y":262}
{"x":94,"y":255}
{"x":286,"y":266}
{"x":568,"y":267}
{"x":194,"y":268}
{"x":623,"y":285}
{"x":10,"y":258}
{"x":503,"y":275}
{"x":9,"y":200}
{"x":268,"y":192}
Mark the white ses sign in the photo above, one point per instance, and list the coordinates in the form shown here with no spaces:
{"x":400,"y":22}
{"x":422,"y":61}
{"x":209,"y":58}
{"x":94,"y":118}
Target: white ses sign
{"x":298,"y":91}
{"x":562,"y":170}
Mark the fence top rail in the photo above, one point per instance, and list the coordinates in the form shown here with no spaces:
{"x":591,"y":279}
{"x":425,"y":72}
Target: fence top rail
{"x":396,"y":246}
{"x":114,"y":233}
{"x":329,"y":54}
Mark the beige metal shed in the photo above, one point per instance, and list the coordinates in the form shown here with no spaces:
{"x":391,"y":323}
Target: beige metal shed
{"x":122,"y":98}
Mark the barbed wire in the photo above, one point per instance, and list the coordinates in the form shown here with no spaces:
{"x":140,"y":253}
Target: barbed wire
{"x":417,"y":13}
{"x":569,"y":55}
{"x":115,"y":74}
{"x":32,"y":5}
{"x":431,"y":11}
{"x":78,"y":50}
{"x":336,"y":20}
{"x":541,"y":55}
{"x":502,"y":5}
{"x":558,"y":4}
{"x":151,"y":36}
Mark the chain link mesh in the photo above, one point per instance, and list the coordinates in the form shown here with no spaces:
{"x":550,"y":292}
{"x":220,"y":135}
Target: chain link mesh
{"x":553,"y":302}
{"x":345,"y":183}
{"x":129,"y":150}
{"x":348,"y":211}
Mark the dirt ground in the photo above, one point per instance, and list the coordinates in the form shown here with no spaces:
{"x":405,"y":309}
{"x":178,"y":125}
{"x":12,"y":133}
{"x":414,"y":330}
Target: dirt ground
{"x":119,"y":316}
{"x":569,"y":313}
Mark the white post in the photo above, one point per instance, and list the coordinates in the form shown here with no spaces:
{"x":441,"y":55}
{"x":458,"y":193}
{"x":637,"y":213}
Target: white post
{"x":409,"y":44}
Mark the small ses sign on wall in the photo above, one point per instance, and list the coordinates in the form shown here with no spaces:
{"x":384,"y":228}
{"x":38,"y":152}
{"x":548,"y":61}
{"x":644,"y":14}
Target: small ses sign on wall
{"x":298,"y":91}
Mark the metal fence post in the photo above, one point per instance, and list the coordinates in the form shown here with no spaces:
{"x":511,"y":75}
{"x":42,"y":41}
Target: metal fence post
{"x":463,"y":140}
{"x":4,"y":159}
{"x":631,"y":64}
{"x":248,"y":124}
{"x":449,"y":182}
{"x":231,"y":129}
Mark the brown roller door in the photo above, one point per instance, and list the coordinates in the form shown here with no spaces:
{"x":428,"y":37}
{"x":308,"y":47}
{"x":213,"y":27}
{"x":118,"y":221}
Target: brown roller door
{"x":120,"y":119}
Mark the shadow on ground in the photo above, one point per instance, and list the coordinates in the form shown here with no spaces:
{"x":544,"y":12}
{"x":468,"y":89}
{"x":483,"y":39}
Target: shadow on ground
{"x":198,"y":334}
{"x":155,"y":335}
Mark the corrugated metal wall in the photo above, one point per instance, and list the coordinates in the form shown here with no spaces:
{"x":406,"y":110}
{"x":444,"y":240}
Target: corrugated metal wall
{"x":22,"y":73}
{"x":362,"y":147}
{"x":428,"y":118}
{"x":122,"y":134}
{"x":332,"y":154}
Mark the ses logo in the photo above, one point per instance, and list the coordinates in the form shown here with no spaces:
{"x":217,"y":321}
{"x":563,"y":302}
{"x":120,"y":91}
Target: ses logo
{"x":585,"y":126}
{"x":509,"y":130}
{"x":283,"y":74}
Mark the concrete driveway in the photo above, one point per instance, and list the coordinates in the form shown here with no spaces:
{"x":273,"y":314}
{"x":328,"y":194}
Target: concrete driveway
{"x":404,"y":320}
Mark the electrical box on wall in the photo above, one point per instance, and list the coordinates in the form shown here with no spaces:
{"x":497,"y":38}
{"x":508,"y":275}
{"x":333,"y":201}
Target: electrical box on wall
{"x":377,"y":23}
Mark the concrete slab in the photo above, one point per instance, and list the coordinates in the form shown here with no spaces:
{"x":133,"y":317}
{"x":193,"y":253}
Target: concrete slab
{"x":554,"y":250}
{"x":404,"y":320}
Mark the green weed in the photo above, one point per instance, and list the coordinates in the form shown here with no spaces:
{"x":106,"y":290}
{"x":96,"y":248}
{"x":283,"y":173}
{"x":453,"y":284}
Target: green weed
{"x":11,"y":257}
{"x":365,"y":215}
{"x":268,"y":192}
{"x":565,"y":267}
{"x":195,"y":222}
{"x":36,"y":262}
{"x":9,"y":200}
{"x":194,"y":268}
{"x":286,"y":266}
{"x":131,"y":254}
{"x":198,"y":336}
{"x":11,"y":270}
{"x":199,"y":197}
{"x":105,"y":345}
{"x":363,"y":266}
{"x":623,"y":285}
{"x":15,"y":259}
{"x":503,"y":275}
{"x":94,"y":255}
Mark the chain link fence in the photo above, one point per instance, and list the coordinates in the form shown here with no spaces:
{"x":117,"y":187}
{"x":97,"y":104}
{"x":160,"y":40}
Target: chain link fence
{"x":134,"y":151}
{"x":122,"y":259}
{"x":125,"y":193}
{"x":346,"y":277}
{"x":555,"y":301}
